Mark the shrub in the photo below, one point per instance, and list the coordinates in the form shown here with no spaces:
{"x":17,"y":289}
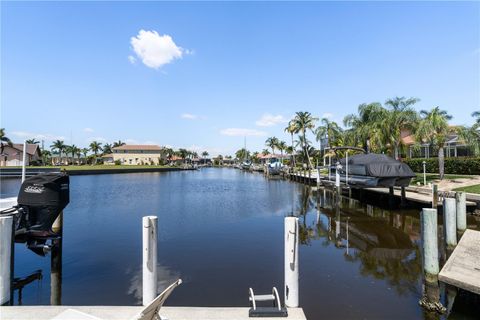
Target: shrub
{"x":460,"y":165}
{"x":118,"y":162}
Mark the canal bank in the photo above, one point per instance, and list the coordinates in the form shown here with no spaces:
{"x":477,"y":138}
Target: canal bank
{"x":6,"y":172}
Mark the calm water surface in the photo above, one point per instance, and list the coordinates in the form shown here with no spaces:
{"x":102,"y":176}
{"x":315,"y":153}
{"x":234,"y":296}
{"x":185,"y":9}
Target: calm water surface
{"x":221,"y":231}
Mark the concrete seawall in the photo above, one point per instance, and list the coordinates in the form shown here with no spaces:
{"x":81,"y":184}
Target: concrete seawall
{"x":16,"y":172}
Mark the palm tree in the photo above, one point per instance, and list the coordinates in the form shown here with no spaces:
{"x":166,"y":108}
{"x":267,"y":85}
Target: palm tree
{"x":107,"y":148}
{"x":366,"y":127}
{"x":45,"y":155}
{"x":4,"y":139}
{"x":476,"y":115}
{"x":72,"y":150}
{"x":291,"y":129}
{"x":282,"y":146}
{"x":401,"y":116}
{"x":59,"y":146}
{"x":204,"y":155}
{"x":95,"y":147}
{"x":183,"y":153}
{"x":329,"y":129}
{"x":32,"y":141}
{"x":265,"y":152}
{"x":118,"y":143}
{"x":433,"y":128}
{"x":272,"y":143}
{"x":242,"y":154}
{"x":84,"y":151}
{"x":302,"y":122}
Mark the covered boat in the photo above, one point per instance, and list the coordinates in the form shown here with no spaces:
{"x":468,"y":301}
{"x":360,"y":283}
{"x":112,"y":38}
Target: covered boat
{"x":373,"y":170}
{"x":41,"y":199}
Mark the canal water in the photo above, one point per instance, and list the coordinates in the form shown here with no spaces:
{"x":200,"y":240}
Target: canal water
{"x":221,"y":231}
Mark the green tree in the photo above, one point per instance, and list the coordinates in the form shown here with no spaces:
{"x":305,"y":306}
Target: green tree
{"x":46,"y":154}
{"x":366,"y":127}
{"x":476,"y":115}
{"x":84,"y":151}
{"x":433,"y":128}
{"x":59,"y":146}
{"x":33,"y":141}
{"x":183,"y":153}
{"x":401,"y":116}
{"x":107,"y":148}
{"x":291,"y":129}
{"x":330,"y":130}
{"x":302,"y":122}
{"x":204,"y":155}
{"x":282,"y":147}
{"x":118,"y":143}
{"x":95,"y":146}
{"x":272,"y":143}
{"x":242,"y":154}
{"x":4,"y":140}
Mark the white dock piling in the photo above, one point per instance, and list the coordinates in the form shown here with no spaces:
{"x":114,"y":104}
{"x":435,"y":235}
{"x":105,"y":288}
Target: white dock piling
{"x":434,"y":196}
{"x":6,"y":237}
{"x":24,"y":159}
{"x":450,"y":222}
{"x":429,"y":236}
{"x":149,"y":265}
{"x":291,"y":262}
{"x":461,"y":201}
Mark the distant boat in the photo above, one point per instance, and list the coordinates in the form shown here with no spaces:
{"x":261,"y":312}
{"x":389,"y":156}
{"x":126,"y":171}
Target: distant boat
{"x":246,"y":165}
{"x":274,"y":167}
{"x":374,"y":170}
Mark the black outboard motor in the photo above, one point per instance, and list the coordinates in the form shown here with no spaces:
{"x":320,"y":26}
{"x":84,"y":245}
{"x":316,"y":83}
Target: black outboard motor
{"x":40,"y":201}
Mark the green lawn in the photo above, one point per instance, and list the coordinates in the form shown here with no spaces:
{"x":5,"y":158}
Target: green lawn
{"x":96,"y":167}
{"x":434,"y":176}
{"x":471,"y":189}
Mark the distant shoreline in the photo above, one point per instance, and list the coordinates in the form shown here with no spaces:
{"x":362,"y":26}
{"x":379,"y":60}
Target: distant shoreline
{"x":15,"y":172}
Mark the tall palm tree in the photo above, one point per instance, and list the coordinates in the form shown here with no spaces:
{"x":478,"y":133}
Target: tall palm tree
{"x":291,"y":129}
{"x":272,"y":143}
{"x":433,"y":128}
{"x":71,"y":150}
{"x":265,"y":152}
{"x":204,"y":155}
{"x":329,"y":129}
{"x":401,"y":116}
{"x":366,"y":127}
{"x":282,"y":146}
{"x":183,"y":153}
{"x":59,"y":146}
{"x":476,"y":115}
{"x":302,"y":122}
{"x":4,"y":139}
{"x":118,"y":143}
{"x":107,"y":148}
{"x":95,"y":146}
{"x":84,"y":151}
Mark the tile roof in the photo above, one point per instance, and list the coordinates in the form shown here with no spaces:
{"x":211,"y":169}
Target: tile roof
{"x":32,"y":148}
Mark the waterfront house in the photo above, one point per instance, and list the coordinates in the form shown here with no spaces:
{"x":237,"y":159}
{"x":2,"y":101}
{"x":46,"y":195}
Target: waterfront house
{"x":13,"y":155}
{"x":266,"y":158}
{"x":134,"y":154}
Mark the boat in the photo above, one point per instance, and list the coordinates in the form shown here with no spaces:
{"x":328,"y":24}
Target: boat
{"x":274,"y":167}
{"x":372,"y":170}
{"x":246,"y":165}
{"x":40,"y":201}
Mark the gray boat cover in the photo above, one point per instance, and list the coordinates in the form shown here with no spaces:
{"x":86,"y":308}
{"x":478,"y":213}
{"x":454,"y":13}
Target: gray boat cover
{"x":377,"y":165}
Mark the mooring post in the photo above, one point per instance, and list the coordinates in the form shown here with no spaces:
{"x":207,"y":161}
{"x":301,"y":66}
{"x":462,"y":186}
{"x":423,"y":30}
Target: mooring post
{"x":24,"y":159}
{"x":149,"y":265}
{"x":403,"y":197}
{"x":337,"y":177}
{"x":450,"y":222}
{"x":429,"y":237}
{"x":291,"y":262}
{"x":6,"y":259}
{"x":391,"y":196}
{"x":56,"y":263}
{"x":434,"y":196}
{"x":461,"y":204}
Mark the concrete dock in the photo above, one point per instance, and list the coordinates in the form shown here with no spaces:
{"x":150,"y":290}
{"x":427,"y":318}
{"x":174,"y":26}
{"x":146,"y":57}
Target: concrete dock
{"x":125,"y":313}
{"x":462,"y":269}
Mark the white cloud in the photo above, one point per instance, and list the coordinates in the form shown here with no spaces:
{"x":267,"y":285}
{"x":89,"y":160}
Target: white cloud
{"x":268,"y":120}
{"x":132,"y":59}
{"x":242,"y":132}
{"x":38,"y":136}
{"x":327,"y":115}
{"x":88,"y":130}
{"x":98,"y":139}
{"x":155,"y":50}
{"x":188,"y":116}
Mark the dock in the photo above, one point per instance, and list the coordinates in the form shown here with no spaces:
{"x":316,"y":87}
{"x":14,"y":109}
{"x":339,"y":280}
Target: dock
{"x":462,"y":269}
{"x":125,"y":313}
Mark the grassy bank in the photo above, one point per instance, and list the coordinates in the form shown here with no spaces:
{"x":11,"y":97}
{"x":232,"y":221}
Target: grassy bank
{"x":470,"y":189}
{"x":434,"y":176}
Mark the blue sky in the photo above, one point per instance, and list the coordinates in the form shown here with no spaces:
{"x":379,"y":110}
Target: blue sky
{"x":204,"y":75}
